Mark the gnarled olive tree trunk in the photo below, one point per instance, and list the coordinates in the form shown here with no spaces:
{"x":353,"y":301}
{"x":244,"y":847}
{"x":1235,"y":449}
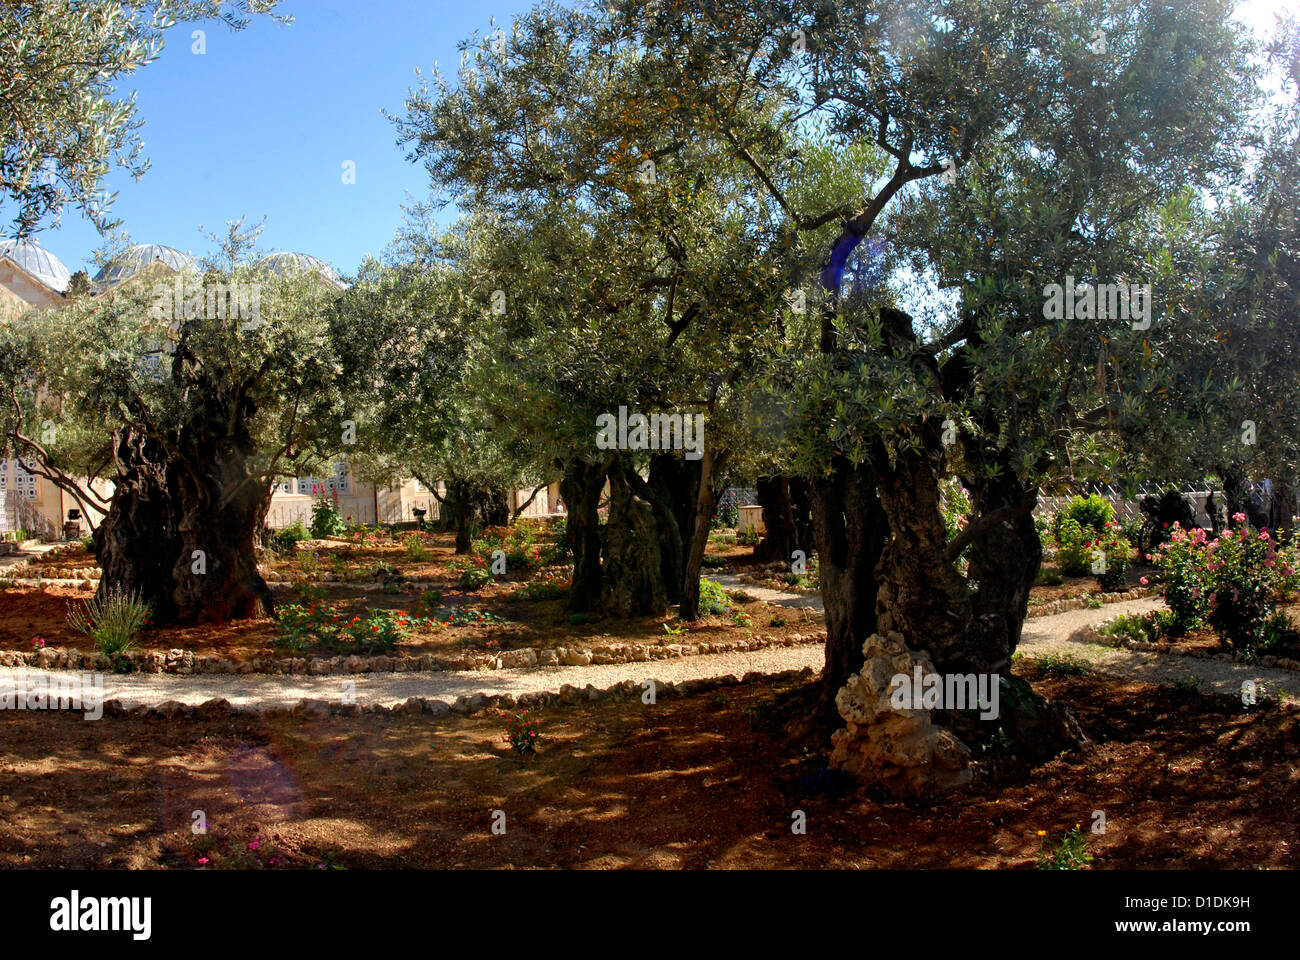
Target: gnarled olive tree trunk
{"x":580,"y":488}
{"x":632,"y":577}
{"x":852,"y":530}
{"x":182,"y":527}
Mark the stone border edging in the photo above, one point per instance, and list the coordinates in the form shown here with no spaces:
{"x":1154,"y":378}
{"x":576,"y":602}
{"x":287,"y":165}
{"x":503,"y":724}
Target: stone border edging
{"x":1054,"y":607}
{"x":1092,"y":635}
{"x":186,"y":663}
{"x":467,"y":705}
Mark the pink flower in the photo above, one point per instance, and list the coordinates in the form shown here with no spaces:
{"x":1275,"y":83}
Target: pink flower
{"x":255,"y":844}
{"x":1239,"y":517}
{"x":203,"y":861}
{"x":1144,"y":581}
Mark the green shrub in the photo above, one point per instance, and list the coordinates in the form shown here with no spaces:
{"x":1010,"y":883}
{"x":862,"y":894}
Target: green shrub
{"x":727,"y":514}
{"x":296,"y":627}
{"x":1112,"y":554}
{"x":415,"y":549}
{"x":111,"y":620}
{"x":1278,"y":633}
{"x":713,"y":599}
{"x":1091,"y":512}
{"x":325,"y":520}
{"x":1233,"y":582}
{"x":1072,"y":555}
{"x":1133,"y":627}
{"x":283,"y":540}
{"x":1243,"y":578}
{"x":474,"y":578}
{"x":378,"y":632}
{"x":1061,"y":665}
{"x":1181,"y":563}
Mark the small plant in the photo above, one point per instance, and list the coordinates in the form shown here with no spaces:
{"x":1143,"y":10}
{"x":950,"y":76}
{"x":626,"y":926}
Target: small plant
{"x":309,"y":561}
{"x":475,"y":578}
{"x":310,"y":592}
{"x":378,"y":631}
{"x":297,"y":625}
{"x":1133,"y":627}
{"x":713,"y":599}
{"x":111,"y":620}
{"x":428,"y":602}
{"x":1072,"y":554}
{"x":1278,"y":632}
{"x":468,"y":617}
{"x":1061,"y":665}
{"x":546,"y":588}
{"x":740,"y":596}
{"x":521,"y":733}
{"x":1190,"y":684}
{"x":415,"y":550}
{"x":1070,"y":854}
{"x":1117,"y":553}
{"x":284,"y":540}
{"x":579,"y":618}
{"x":1050,"y":577}
{"x":778,"y":620}
{"x":741,"y":619}
{"x":673,"y":631}
{"x":325,"y":520}
{"x":1094,"y":603}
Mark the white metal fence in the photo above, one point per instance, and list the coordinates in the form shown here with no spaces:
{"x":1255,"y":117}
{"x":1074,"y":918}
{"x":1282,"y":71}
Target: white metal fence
{"x":1127,"y":508}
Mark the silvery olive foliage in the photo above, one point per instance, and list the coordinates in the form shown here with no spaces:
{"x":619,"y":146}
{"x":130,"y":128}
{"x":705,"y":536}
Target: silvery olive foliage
{"x":64,"y":122}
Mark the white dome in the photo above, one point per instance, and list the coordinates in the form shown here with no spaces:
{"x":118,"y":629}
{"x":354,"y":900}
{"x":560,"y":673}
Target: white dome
{"x":140,"y":256}
{"x":285,"y":263}
{"x":37,"y":261}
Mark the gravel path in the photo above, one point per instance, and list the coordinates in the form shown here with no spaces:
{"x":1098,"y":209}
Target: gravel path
{"x":390,"y":688}
{"x":1048,"y":635}
{"x":732,"y":581}
{"x":1042,"y":635}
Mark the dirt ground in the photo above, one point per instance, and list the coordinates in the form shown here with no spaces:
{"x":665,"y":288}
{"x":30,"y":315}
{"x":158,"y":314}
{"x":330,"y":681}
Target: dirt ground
{"x":27,"y":612}
{"x":702,"y":781}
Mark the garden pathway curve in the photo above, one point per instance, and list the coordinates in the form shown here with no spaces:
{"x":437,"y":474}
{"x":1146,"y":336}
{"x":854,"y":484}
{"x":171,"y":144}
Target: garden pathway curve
{"x":1042,"y":635}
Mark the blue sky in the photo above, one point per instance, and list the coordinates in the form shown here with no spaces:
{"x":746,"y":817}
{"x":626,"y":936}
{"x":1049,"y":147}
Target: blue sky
{"x":263,"y":121}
